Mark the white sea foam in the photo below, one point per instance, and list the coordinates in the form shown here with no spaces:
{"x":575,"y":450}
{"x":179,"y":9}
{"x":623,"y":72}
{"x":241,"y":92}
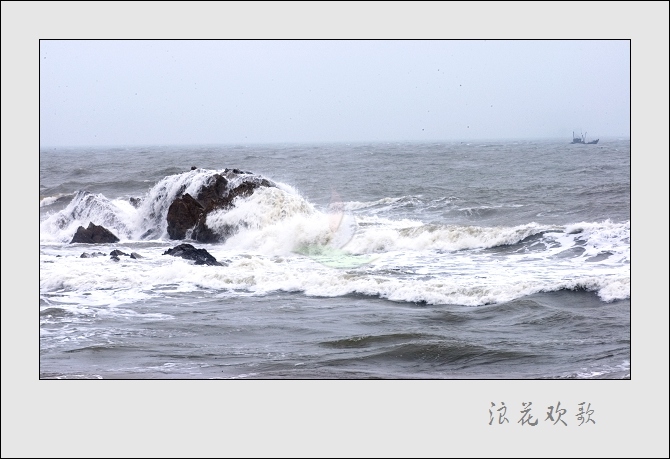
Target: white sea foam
{"x":603,"y":237}
{"x":85,"y":208}
{"x":466,"y":278}
{"x":384,"y":203}
{"x":623,"y":369}
{"x":281,"y":242}
{"x":417,"y":236}
{"x":275,"y":221}
{"x":49,"y":200}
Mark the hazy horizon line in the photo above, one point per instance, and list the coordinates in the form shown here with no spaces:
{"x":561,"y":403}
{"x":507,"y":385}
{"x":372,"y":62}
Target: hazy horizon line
{"x":327,"y":142}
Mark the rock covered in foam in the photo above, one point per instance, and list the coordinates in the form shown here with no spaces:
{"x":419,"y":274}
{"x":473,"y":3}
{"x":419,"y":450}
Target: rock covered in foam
{"x":188,"y":213}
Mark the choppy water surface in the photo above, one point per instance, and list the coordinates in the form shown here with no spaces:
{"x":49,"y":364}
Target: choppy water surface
{"x":484,"y":260}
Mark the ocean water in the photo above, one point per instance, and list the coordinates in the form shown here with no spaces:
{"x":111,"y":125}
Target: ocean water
{"x":453,"y":260}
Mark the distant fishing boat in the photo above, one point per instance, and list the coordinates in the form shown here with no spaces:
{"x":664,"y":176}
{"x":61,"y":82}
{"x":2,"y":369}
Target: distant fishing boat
{"x":582,"y":139}
{"x":577,"y":139}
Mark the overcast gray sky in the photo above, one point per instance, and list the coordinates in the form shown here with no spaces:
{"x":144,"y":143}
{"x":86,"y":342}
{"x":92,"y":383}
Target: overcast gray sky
{"x":245,"y":91}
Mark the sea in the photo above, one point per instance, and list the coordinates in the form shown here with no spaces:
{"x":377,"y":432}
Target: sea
{"x":388,"y":260}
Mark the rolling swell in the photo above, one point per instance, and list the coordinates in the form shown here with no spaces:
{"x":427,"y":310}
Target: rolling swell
{"x":367,"y":341}
{"x":440,"y":354}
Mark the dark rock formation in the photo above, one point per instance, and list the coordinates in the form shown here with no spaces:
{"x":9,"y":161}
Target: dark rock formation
{"x":90,"y":255}
{"x":189,"y":213}
{"x":203,"y":233}
{"x":116,"y":253}
{"x":182,"y":215}
{"x":135,"y":255}
{"x":214,"y":193}
{"x":135,"y":201}
{"x":94,"y":234}
{"x":187,"y":251}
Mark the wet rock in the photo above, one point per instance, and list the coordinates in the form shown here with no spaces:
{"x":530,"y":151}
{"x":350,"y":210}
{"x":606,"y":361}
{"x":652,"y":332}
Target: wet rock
{"x":182,"y":215}
{"x":190,"y":213}
{"x":116,"y":253}
{"x":94,"y":234}
{"x":135,"y":255}
{"x":214,"y":193}
{"x":187,"y":251}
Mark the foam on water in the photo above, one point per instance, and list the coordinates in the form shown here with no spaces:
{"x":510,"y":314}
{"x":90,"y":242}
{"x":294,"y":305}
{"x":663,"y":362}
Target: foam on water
{"x":272,"y":221}
{"x":466,"y":278}
{"x":379,"y":234}
{"x":281,"y":242}
{"x":47,"y":201}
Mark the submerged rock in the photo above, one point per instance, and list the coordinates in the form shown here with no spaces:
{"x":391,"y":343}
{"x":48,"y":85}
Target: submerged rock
{"x":94,"y":234}
{"x":90,"y":255}
{"x":187,"y":251}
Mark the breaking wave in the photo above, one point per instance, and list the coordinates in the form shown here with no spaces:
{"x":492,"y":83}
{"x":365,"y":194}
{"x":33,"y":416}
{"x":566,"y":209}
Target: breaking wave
{"x":282,"y":242}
